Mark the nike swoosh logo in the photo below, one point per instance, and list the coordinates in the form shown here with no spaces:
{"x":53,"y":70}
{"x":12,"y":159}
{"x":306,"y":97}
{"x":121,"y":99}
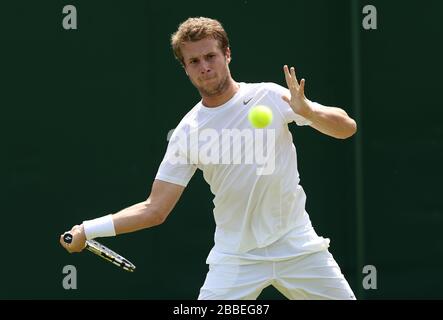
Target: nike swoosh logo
{"x":245,"y":102}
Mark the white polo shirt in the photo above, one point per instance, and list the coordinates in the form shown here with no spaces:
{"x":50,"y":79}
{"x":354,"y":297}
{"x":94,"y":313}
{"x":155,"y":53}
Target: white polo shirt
{"x":259,"y":206}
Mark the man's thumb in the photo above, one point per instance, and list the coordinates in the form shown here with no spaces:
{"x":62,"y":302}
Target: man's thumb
{"x":286,"y":99}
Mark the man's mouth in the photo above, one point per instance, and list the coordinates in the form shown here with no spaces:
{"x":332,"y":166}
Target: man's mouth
{"x":207,"y":79}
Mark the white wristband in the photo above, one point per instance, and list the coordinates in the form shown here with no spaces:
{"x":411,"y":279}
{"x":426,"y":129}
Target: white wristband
{"x":100,"y":227}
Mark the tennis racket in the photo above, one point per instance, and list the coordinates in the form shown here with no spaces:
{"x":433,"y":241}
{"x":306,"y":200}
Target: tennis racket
{"x":104,"y":252}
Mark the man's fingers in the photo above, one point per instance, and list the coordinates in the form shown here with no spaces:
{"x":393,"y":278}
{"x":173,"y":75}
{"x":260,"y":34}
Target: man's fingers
{"x":294,"y":78}
{"x":291,"y":79}
{"x":302,"y":87}
{"x":287,"y":77}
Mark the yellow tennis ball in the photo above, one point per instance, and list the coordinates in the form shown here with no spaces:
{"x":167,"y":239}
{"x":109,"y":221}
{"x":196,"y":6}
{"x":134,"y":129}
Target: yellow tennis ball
{"x":260,"y":116}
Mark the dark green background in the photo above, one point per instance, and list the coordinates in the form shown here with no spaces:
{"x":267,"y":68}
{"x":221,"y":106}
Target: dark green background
{"x":85,"y":114}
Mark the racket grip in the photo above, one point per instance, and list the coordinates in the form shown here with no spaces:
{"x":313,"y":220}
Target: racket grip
{"x":67,"y":237}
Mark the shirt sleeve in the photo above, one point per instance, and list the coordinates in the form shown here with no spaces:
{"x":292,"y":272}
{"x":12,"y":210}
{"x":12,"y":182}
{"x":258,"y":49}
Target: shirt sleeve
{"x":289,"y":115}
{"x":175,"y":166}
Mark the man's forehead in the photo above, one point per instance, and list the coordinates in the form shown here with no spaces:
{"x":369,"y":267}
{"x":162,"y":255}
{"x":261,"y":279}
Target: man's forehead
{"x":202,"y":47}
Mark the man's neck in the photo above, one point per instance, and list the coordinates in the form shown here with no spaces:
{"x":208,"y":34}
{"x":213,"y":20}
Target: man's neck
{"x":218,"y":100}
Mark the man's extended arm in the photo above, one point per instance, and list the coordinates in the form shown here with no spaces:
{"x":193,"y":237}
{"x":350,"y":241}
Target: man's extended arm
{"x":152,"y":212}
{"x":149,"y":213}
{"x":332,"y":121}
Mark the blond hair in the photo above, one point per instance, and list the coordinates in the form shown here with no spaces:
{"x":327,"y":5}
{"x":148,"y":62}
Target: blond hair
{"x":195,"y":29}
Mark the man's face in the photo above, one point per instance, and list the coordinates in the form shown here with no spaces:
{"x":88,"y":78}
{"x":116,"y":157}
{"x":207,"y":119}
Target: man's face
{"x":207,"y":66}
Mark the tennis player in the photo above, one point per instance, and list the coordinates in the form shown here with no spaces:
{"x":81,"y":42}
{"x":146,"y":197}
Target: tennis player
{"x":263,"y":233}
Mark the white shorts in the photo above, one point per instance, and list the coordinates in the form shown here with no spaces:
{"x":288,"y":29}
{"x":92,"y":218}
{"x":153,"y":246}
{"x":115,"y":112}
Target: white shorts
{"x":307,"y":277}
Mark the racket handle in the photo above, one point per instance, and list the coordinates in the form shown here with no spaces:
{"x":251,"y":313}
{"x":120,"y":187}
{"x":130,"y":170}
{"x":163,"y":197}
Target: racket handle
{"x":67,"y":237}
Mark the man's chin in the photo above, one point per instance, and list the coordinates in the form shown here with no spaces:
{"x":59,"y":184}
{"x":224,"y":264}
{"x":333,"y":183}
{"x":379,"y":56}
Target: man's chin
{"x":209,"y":83}
{"x":209,"y":90}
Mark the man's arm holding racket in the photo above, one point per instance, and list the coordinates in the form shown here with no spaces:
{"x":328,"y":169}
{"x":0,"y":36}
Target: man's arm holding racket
{"x":146,"y":214}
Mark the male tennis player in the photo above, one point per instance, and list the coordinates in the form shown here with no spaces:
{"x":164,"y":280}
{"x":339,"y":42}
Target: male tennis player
{"x":263,"y":234}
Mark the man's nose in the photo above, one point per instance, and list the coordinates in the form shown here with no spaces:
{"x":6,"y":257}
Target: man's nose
{"x":204,"y":67}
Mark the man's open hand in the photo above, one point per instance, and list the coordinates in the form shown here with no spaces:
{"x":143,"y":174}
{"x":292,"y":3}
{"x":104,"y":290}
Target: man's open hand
{"x":298,"y":101}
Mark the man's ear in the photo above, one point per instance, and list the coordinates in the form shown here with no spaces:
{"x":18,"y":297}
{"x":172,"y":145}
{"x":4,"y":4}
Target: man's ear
{"x":228,"y":55}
